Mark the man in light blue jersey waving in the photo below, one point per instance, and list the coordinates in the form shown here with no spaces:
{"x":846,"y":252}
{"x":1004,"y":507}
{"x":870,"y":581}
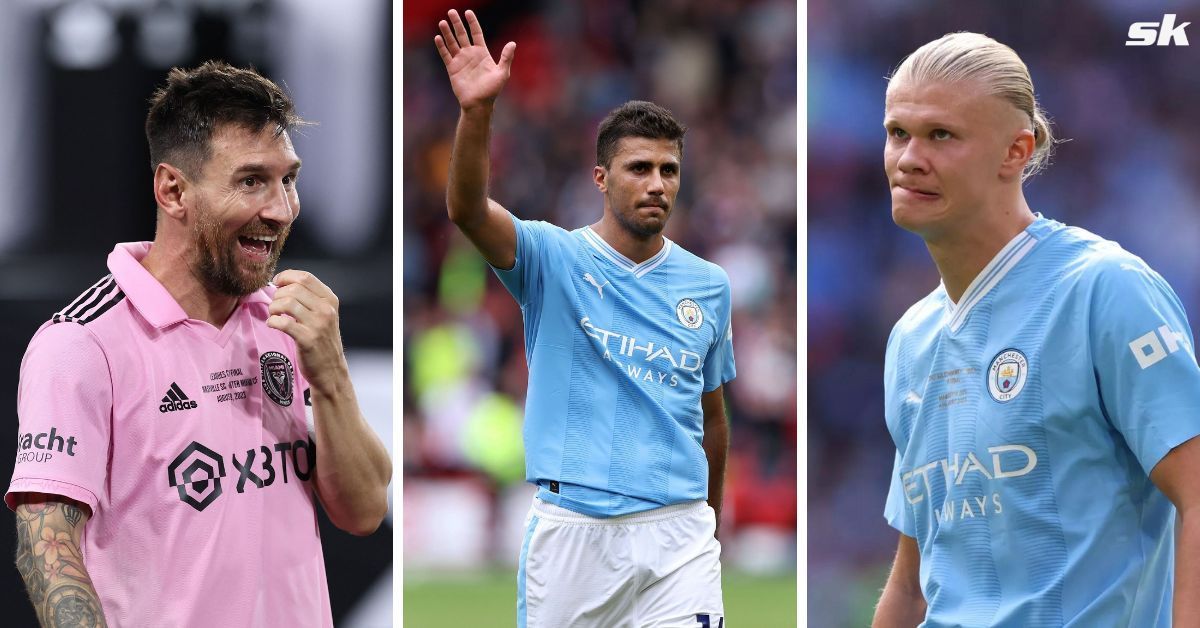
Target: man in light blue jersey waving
{"x":1044,"y":398}
{"x":629,"y":341}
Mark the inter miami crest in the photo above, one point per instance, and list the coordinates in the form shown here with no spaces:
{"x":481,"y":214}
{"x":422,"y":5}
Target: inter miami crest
{"x":1007,"y":374}
{"x":277,"y":377}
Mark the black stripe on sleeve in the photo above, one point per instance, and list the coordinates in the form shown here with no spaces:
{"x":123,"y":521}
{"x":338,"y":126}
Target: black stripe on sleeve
{"x":106,"y":307}
{"x":87,"y":294}
{"x":99,"y":297}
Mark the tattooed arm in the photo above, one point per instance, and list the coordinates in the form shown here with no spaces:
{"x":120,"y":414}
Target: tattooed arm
{"x":49,"y":560}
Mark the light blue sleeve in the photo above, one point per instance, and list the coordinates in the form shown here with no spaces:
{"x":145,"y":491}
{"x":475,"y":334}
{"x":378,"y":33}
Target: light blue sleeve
{"x":523,"y":280}
{"x":1145,"y":360}
{"x":896,"y":511}
{"x":719,"y":366}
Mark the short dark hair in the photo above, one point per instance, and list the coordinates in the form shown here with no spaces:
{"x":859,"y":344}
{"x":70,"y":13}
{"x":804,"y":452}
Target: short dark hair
{"x":186,"y":111}
{"x":636,"y":118}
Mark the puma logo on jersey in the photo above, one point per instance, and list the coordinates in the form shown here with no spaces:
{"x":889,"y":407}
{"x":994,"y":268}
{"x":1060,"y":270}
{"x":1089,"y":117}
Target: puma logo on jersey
{"x":592,"y":280}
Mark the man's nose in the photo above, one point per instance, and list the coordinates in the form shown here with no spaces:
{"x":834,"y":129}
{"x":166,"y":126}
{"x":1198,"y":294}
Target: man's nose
{"x":913,"y":157}
{"x":656,"y":183}
{"x":281,"y":207}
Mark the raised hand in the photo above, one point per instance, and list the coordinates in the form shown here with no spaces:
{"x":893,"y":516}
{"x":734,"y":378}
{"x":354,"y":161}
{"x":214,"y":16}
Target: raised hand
{"x":474,"y":77}
{"x":307,"y":310}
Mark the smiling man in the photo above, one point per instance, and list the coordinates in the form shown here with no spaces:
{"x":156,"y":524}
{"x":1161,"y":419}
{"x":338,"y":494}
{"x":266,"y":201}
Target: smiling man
{"x":1045,"y":398}
{"x":629,"y":341}
{"x":171,"y":416}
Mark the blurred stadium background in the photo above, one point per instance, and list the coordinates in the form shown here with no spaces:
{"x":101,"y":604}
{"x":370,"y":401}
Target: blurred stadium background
{"x":1128,"y":173}
{"x":74,"y":180}
{"x":728,"y":70}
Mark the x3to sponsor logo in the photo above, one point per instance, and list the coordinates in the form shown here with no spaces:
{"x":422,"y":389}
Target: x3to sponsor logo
{"x":197,"y":471}
{"x":199,"y":482}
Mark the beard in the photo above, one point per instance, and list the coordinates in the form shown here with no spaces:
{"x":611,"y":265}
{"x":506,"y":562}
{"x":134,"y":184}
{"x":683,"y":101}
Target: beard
{"x":217,"y":265}
{"x":641,"y":229}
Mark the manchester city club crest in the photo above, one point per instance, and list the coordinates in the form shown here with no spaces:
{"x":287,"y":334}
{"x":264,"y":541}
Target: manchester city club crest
{"x":1007,"y":374}
{"x":689,"y":314}
{"x":277,"y":377}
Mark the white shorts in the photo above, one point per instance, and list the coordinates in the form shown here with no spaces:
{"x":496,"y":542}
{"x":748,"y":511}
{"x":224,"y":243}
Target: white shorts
{"x":660,"y":568}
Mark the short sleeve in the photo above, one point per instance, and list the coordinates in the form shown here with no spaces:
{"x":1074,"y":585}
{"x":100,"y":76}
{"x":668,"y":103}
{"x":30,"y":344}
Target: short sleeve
{"x":896,"y":511}
{"x":522,"y":280}
{"x":719,"y":366}
{"x":1144,"y":359}
{"x":310,"y":421}
{"x":64,"y":409}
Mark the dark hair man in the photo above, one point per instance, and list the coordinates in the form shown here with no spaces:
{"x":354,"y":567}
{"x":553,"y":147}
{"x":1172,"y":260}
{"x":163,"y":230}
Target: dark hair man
{"x":629,"y":342}
{"x":171,"y":415}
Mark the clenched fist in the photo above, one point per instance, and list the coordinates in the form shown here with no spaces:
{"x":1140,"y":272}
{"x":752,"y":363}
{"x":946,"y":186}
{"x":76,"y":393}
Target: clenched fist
{"x":307,"y":310}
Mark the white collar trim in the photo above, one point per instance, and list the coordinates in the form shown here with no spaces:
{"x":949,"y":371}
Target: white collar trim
{"x":1001,"y":264}
{"x":615,"y":256}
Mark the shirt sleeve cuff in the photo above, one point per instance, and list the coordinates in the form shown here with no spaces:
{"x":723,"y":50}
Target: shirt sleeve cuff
{"x":50,"y":487}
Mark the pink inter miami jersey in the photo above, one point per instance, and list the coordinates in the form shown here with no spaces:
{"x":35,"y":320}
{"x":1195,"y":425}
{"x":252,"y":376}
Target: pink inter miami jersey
{"x":192,"y":448}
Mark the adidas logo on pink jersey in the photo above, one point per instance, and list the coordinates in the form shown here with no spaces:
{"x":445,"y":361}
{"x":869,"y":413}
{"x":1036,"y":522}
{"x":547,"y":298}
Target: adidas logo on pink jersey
{"x":175,"y":400}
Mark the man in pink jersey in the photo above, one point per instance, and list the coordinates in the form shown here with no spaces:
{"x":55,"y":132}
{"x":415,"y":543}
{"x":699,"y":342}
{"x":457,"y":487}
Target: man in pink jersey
{"x":167,"y":466}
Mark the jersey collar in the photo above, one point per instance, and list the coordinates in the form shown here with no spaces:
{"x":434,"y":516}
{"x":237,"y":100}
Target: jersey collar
{"x":147,"y":295}
{"x":604,"y":249}
{"x":1001,"y":264}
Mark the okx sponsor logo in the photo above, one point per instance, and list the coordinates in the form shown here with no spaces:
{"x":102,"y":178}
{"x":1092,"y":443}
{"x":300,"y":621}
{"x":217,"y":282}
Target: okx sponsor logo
{"x":42,"y":446}
{"x":197,"y":472}
{"x":1148,"y":350}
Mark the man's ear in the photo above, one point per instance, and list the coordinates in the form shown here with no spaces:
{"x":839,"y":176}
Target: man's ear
{"x":1020,"y":151}
{"x":600,"y":178}
{"x":169,"y":187}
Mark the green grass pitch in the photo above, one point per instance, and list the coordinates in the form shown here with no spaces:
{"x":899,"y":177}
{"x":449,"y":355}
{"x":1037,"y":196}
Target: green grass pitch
{"x":490,"y":599}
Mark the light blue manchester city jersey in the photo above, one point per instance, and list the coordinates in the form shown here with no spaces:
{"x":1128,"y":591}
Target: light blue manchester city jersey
{"x":1027,"y":419}
{"x":619,"y":354}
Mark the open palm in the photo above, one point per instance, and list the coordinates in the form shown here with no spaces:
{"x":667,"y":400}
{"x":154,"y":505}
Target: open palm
{"x":475,"y":78}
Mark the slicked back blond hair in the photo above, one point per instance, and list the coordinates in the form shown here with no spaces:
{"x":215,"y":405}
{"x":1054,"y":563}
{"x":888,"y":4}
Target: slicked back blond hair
{"x":959,"y":57}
